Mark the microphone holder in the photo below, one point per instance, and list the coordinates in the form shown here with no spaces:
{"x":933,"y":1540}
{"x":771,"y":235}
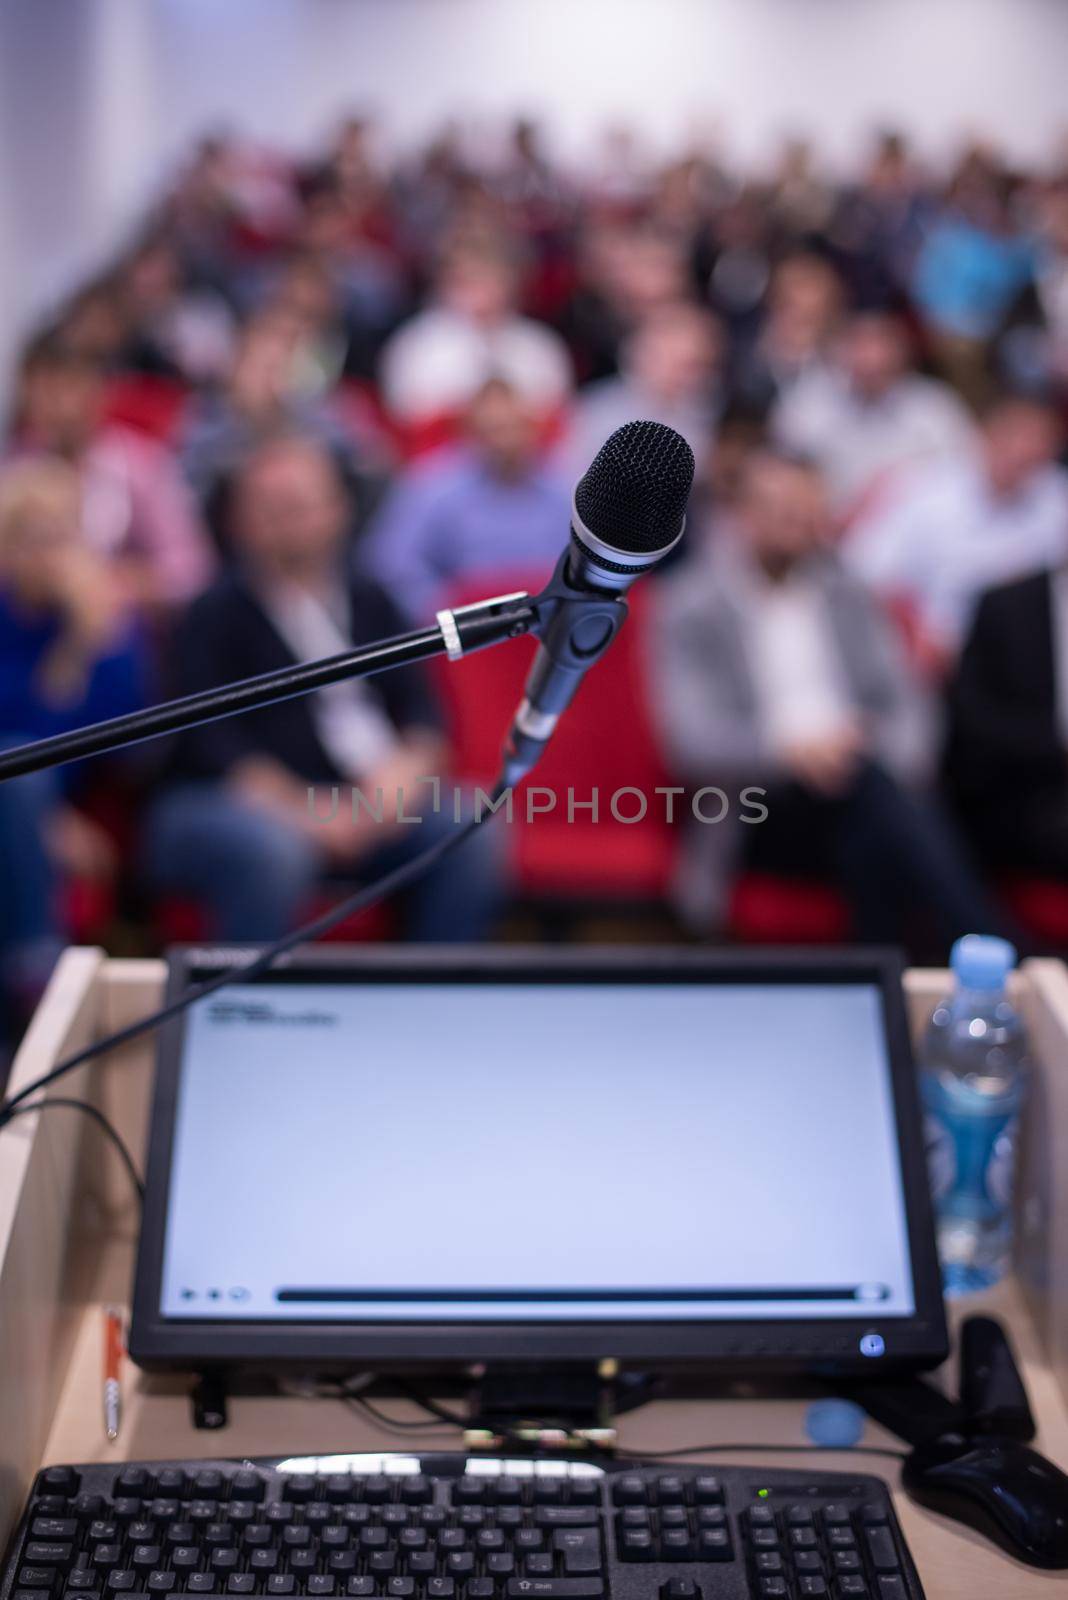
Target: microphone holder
{"x":456,"y":633}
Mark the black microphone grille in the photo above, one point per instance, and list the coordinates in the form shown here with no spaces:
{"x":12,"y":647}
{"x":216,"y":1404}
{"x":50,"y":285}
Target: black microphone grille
{"x":633,"y":495}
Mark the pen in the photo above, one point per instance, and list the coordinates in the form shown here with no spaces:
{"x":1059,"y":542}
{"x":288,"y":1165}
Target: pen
{"x":114,"y":1350}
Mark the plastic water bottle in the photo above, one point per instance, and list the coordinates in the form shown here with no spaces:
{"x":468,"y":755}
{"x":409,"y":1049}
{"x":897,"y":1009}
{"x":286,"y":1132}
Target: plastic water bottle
{"x":974,"y":1075}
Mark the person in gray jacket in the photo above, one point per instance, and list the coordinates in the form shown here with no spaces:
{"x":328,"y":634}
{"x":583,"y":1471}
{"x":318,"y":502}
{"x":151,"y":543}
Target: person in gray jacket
{"x":775,"y":670}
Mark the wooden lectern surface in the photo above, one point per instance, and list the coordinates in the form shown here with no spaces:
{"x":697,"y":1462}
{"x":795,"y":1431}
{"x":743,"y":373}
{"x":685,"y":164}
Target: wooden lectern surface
{"x":66,"y":1252}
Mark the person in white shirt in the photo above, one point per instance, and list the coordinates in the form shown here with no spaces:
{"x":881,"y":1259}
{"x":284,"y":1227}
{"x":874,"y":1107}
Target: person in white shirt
{"x":776,"y":675}
{"x":866,"y":414}
{"x":962,"y":525}
{"x":670,"y":373}
{"x":436,"y":363}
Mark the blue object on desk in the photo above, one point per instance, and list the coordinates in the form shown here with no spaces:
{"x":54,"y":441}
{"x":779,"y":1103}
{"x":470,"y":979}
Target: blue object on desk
{"x":834,"y":1424}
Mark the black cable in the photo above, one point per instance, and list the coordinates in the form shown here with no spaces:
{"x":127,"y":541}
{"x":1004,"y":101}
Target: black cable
{"x":391,"y":883}
{"x":102,"y":1122}
{"x":400,"y":1425}
{"x":758,"y":1445}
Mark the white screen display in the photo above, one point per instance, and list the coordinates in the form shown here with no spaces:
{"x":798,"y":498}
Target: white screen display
{"x":480,"y":1152}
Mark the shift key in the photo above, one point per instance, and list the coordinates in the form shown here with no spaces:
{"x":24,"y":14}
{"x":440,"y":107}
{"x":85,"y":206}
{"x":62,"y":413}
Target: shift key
{"x":555,"y":1588}
{"x":580,"y":1548}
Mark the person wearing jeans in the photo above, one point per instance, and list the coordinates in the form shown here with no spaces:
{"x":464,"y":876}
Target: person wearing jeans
{"x":244,"y":821}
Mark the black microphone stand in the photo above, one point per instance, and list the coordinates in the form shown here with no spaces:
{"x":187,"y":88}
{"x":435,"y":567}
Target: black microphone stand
{"x":455,"y":633}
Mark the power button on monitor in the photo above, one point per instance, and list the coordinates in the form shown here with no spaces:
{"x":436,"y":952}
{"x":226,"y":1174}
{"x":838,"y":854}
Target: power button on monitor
{"x":872,"y":1344}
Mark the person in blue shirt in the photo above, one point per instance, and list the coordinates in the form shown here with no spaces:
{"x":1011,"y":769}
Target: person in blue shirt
{"x":494,"y":506}
{"x":68,"y":656}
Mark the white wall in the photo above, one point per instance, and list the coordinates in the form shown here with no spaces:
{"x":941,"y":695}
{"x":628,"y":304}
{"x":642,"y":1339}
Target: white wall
{"x":96,"y":95}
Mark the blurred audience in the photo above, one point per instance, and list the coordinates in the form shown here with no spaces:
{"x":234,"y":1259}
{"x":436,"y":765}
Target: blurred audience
{"x":965,"y":523}
{"x":774,"y":668}
{"x":669,"y":373}
{"x":868,"y":413}
{"x":494,"y":506}
{"x":250,"y":820}
{"x":69,"y":654}
{"x":471,"y":331}
{"x":137,"y":511}
{"x":280,"y":338}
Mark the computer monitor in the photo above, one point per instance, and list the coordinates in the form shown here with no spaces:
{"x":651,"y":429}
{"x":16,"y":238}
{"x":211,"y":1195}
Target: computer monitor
{"x":383,"y":1157}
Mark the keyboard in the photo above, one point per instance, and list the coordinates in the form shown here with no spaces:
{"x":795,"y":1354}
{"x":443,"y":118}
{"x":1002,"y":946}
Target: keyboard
{"x":456,"y":1527}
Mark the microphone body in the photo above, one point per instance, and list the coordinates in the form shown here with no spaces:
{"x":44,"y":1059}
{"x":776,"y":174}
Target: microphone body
{"x":628,"y":513}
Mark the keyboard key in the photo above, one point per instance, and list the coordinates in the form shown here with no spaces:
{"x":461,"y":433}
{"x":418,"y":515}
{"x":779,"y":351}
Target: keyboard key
{"x":540,"y":1564}
{"x":881,"y":1549}
{"x":322,"y":1583}
{"x":675,"y":1545}
{"x":202,"y":1583}
{"x":241,"y":1583}
{"x":629,"y":1490}
{"x":671,"y":1491}
{"x":812,"y":1586}
{"x":401,"y":1588}
{"x":501,"y":1566}
{"x":480,"y":1589}
{"x":59,"y":1480}
{"x":247,"y":1485}
{"x":161,"y":1581}
{"x":799,"y":1516}
{"x":680,"y":1589}
{"x":440,"y":1589}
{"x":764,"y":1539}
{"x":711,"y":1517}
{"x":707,"y":1491}
{"x":636,"y":1544}
{"x":555,"y":1589}
{"x":760,"y":1516}
{"x":49,"y":1552}
{"x":802,"y":1538}
{"x":873,"y":1513}
{"x":566,"y":1517}
{"x":836,"y":1516}
{"x":714,"y":1544}
{"x":580,"y":1549}
{"x":847,"y":1561}
{"x":54,"y":1528}
{"x":850,"y":1588}
{"x":892,"y":1588}
{"x":768,"y":1561}
{"x":208,"y":1484}
{"x":38,"y":1577}
{"x":773,"y":1587}
{"x":807,"y":1561}
{"x":285,"y":1583}
{"x":359,"y":1587}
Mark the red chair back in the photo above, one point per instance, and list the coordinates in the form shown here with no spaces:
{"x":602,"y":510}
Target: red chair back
{"x":604,"y":744}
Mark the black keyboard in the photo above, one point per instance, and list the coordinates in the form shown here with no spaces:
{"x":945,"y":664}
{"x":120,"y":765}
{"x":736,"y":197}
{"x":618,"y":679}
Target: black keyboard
{"x":455,"y":1527}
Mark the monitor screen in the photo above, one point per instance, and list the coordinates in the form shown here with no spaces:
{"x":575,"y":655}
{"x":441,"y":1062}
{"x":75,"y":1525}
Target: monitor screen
{"x":539,"y":1151}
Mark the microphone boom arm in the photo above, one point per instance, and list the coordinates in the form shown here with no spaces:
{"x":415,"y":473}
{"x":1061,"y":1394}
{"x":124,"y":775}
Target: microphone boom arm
{"x":456,"y":633}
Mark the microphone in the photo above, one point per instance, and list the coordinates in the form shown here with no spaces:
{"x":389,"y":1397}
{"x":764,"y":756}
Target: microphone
{"x":629,"y":510}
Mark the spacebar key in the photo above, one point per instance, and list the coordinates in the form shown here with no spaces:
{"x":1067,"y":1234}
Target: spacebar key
{"x":555,"y":1588}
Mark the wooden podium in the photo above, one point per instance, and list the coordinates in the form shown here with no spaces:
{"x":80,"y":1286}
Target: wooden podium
{"x":68,"y":1231}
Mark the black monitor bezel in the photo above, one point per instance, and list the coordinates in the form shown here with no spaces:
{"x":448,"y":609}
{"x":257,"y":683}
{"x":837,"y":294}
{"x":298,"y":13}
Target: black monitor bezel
{"x":798,"y":1347}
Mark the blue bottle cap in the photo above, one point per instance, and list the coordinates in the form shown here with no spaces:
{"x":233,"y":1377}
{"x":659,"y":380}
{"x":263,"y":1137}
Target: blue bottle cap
{"x":981,"y":961}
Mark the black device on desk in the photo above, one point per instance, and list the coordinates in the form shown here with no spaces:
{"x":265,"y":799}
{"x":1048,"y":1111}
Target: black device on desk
{"x":450,"y":1527}
{"x":427,"y":1158}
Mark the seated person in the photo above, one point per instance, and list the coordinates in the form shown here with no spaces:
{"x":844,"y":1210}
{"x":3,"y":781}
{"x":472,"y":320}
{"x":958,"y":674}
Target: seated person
{"x":1006,"y":760}
{"x":67,"y":657}
{"x":495,"y":505}
{"x":137,"y":511}
{"x":670,"y":373}
{"x":436,"y":363}
{"x":261,"y":397}
{"x":775,"y":669}
{"x":965,"y":524}
{"x":248,"y":821}
{"x":868,"y":413}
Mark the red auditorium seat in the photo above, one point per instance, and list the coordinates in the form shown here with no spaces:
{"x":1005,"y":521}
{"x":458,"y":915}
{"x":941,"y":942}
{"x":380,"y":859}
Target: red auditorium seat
{"x":150,"y":405}
{"x":179,"y":921}
{"x":605,"y":742}
{"x":1041,"y":905}
{"x":767,"y":909}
